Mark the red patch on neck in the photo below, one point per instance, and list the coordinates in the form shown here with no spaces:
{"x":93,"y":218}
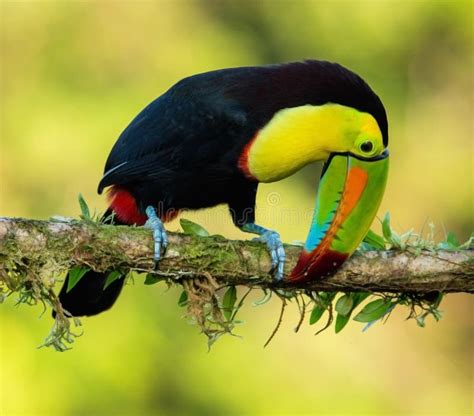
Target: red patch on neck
{"x":243,"y":162}
{"x":125,"y":207}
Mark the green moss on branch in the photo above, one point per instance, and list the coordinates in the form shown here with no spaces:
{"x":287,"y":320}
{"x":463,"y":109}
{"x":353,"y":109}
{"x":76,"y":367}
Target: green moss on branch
{"x":34,"y":254}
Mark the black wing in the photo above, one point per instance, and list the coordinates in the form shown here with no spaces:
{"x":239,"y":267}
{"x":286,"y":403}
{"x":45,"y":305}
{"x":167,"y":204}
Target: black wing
{"x":192,"y":124}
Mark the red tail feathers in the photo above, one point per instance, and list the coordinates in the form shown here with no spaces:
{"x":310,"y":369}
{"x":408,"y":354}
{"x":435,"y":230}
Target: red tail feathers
{"x":124,"y":205}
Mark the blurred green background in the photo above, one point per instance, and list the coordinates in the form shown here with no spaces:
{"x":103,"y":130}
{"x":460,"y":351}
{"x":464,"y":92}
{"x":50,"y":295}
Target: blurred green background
{"x":73,"y":74}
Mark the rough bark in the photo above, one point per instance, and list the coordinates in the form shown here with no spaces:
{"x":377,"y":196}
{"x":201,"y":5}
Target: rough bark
{"x":51,"y":247}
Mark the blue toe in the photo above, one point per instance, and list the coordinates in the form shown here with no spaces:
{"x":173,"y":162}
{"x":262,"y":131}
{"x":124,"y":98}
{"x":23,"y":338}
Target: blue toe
{"x":159,"y":233}
{"x":277,"y":252}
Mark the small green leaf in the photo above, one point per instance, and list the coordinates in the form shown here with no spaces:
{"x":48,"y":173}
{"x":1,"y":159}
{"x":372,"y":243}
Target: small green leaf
{"x":183,"y":299}
{"x":322,"y":302}
{"x":112,"y":277}
{"x":85,"y":213}
{"x":219,"y":236}
{"x":373,"y":310}
{"x":374,"y":240}
{"x":151,"y":279}
{"x":437,"y":315}
{"x":452,"y":239}
{"x":344,"y":305}
{"x":229,"y":301}
{"x":390,"y":235}
{"x":75,"y":274}
{"x":316,"y":314}
{"x":192,"y":228}
{"x":420,"y":320}
{"x":266,"y":297}
{"x":374,"y":305}
{"x":341,"y":322}
{"x":386,"y":230}
{"x":344,"y":316}
{"x":358,"y":298}
{"x":396,"y":240}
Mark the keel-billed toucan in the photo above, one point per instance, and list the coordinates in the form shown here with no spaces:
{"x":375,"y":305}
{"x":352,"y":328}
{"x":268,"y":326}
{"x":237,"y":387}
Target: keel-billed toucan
{"x":213,"y":137}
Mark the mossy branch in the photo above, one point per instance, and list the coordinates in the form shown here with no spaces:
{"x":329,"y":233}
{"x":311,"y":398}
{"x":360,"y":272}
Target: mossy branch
{"x":34,"y":254}
{"x":44,"y":249}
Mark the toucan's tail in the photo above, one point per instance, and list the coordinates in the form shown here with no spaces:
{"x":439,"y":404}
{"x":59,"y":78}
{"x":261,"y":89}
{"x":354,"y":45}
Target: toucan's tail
{"x":88,"y":297}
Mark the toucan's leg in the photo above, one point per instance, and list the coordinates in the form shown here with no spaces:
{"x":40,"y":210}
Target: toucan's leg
{"x":159,"y":232}
{"x":242,"y":209}
{"x":275,"y":246}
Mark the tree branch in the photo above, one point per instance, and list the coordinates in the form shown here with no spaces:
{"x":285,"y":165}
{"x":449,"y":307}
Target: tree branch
{"x":50,"y":247}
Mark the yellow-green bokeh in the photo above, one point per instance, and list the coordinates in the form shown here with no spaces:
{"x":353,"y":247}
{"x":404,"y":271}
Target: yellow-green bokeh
{"x":73,"y":75}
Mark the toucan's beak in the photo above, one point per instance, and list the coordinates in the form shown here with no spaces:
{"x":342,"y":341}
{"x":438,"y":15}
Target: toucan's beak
{"x":349,"y":195}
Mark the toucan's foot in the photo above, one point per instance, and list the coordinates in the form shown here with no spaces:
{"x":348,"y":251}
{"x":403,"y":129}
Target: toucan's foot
{"x":275,"y":247}
{"x":277,"y":252}
{"x":159,"y":232}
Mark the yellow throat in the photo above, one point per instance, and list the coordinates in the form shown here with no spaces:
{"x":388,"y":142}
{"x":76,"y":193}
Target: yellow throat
{"x":297,"y":136}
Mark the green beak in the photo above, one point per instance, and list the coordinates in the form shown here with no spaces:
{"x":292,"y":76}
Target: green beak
{"x":350,"y":191}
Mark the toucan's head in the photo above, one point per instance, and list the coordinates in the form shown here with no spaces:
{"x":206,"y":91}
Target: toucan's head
{"x":340,"y":129}
{"x":306,"y":112}
{"x":364,"y":138}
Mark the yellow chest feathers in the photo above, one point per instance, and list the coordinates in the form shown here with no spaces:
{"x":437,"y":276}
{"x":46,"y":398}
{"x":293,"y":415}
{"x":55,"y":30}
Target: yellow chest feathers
{"x":297,"y":136}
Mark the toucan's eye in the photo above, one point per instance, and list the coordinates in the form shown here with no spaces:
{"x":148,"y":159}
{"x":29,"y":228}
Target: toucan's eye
{"x":367,"y":146}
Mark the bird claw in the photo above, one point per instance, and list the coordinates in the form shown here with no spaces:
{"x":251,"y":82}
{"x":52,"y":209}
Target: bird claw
{"x":159,"y":233}
{"x":277,"y":252}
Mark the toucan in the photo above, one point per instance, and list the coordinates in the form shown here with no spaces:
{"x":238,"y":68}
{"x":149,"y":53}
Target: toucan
{"x":213,"y":137}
